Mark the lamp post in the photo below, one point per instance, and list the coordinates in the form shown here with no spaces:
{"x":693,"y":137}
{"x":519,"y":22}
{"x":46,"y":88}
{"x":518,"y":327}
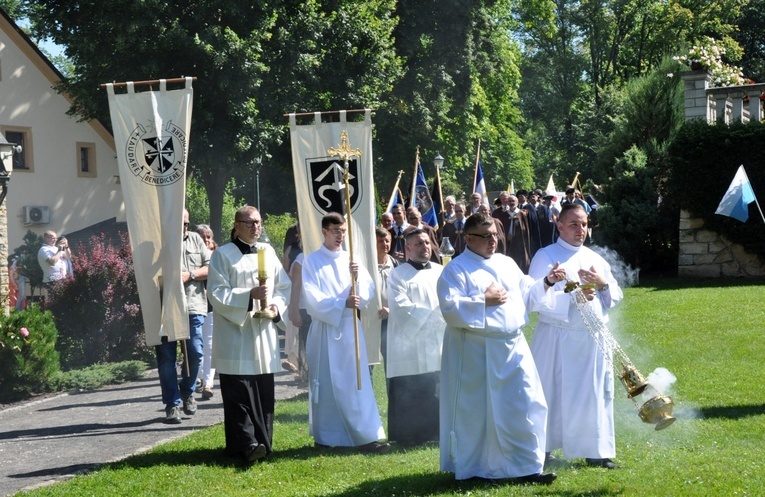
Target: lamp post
{"x":438,"y":161}
{"x":6,"y":168}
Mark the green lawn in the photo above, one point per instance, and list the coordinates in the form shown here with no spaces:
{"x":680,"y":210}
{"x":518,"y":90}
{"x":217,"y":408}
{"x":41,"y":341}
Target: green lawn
{"x":708,"y":333}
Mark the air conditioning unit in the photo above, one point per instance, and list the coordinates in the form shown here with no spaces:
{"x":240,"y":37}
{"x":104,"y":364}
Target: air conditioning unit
{"x":36,"y":214}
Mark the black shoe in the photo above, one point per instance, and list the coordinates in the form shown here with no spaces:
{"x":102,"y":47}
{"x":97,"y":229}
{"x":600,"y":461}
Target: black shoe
{"x":189,"y":405}
{"x":600,"y":463}
{"x":554,"y":462}
{"x":254,"y":452}
{"x":537,"y":479}
{"x":173,"y":416}
{"x":375,"y":448}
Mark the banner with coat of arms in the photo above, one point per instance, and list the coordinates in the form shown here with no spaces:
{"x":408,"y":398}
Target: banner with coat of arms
{"x":319,"y":190}
{"x":151,"y":131}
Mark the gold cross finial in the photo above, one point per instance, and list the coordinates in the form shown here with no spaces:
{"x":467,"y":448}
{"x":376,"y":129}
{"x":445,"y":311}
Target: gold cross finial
{"x":344,"y":150}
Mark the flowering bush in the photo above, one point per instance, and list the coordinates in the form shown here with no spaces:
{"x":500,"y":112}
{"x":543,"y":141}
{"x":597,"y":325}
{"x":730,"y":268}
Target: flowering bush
{"x":28,"y":357}
{"x":13,"y":339}
{"x":707,"y":54}
{"x":97,"y":312}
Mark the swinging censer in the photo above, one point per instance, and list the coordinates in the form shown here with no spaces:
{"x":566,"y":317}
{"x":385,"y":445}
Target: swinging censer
{"x":658,"y":408}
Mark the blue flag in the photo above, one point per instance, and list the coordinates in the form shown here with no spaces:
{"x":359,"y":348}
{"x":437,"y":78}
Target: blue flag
{"x":735,"y":202}
{"x":423,"y":200}
{"x":397,"y":199}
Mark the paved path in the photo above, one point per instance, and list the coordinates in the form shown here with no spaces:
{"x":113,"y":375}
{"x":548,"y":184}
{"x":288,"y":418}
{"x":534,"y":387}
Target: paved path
{"x":52,"y":439}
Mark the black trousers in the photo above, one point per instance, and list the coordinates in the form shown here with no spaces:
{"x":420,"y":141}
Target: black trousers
{"x":248,"y":411}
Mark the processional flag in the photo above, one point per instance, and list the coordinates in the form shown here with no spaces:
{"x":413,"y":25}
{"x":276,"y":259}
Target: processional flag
{"x":438,"y":199}
{"x":735,"y":202}
{"x":422,"y":199}
{"x":151,"y":137}
{"x":479,"y":185}
{"x":319,"y":191}
{"x":395,"y":199}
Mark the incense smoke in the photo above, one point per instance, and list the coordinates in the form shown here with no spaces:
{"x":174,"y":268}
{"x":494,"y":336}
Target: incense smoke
{"x":625,"y":274}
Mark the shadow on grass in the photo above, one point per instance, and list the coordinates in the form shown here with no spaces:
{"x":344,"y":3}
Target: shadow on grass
{"x":444,"y":483}
{"x":732,"y":412}
{"x":657,"y":284}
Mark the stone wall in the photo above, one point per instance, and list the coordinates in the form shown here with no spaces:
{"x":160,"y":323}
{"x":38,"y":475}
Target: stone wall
{"x":704,"y":253}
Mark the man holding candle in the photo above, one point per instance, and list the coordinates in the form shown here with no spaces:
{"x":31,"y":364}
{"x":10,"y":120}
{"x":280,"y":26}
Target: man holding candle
{"x":341,"y":413}
{"x":247,"y":278}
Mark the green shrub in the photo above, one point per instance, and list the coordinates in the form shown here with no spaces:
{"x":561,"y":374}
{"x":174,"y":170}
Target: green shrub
{"x":97,"y":311}
{"x":28,"y":356}
{"x":98,"y":375}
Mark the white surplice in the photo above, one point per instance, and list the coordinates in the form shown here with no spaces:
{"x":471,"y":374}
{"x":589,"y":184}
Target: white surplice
{"x":415,"y":324}
{"x":244,"y":344}
{"x":339,"y":413}
{"x":492,"y":410}
{"x":576,"y":377}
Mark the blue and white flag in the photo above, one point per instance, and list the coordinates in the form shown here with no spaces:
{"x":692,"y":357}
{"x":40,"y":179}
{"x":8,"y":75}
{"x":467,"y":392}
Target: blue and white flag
{"x":735,"y":202}
{"x":396,"y":199}
{"x":423,"y":201}
{"x":480,"y":184}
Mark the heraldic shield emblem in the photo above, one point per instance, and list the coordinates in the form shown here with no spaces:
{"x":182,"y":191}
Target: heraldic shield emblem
{"x":157,"y":160}
{"x":327,"y":185}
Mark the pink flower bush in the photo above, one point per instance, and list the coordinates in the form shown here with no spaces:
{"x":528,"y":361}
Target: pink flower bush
{"x":24,"y":332}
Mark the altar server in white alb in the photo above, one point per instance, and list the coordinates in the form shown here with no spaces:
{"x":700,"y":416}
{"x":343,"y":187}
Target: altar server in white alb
{"x":493,"y":411}
{"x":415,"y":334}
{"x":340,"y":414}
{"x":576,"y":376}
{"x":246,"y":347}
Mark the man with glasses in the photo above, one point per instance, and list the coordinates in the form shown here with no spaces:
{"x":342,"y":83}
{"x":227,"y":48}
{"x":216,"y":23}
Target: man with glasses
{"x":340,"y":413}
{"x":194,"y":264}
{"x":492,"y":410}
{"x":54,"y":257}
{"x":246,"y":346}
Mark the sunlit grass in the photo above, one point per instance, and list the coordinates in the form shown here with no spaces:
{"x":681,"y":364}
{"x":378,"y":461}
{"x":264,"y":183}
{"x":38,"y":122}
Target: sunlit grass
{"x":708,"y":333}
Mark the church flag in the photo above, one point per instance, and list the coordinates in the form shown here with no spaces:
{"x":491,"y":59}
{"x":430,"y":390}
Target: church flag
{"x":151,"y":137}
{"x":423,"y":201}
{"x":318,"y":193}
{"x":438,"y":199}
{"x":479,"y":185}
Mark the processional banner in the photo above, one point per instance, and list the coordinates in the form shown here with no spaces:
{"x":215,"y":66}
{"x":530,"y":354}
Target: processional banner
{"x":151,"y":131}
{"x":320,"y":190}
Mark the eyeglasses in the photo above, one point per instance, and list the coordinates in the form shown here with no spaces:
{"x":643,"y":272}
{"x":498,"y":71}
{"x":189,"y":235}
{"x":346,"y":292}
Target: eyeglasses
{"x":250,"y":224}
{"x":487,"y":236}
{"x":338,"y":231}
{"x":186,"y":224}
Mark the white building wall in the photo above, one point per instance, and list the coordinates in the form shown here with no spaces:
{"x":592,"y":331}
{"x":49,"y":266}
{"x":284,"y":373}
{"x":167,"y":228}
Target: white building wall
{"x":27,"y":101}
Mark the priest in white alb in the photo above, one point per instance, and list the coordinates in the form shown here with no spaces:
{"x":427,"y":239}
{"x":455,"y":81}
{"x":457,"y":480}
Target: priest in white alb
{"x":492,"y":409}
{"x":246,"y":347}
{"x":339,"y":413}
{"x":415,"y":334}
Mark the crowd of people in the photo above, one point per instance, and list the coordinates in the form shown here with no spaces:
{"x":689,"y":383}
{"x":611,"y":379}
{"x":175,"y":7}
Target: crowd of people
{"x":458,"y":367}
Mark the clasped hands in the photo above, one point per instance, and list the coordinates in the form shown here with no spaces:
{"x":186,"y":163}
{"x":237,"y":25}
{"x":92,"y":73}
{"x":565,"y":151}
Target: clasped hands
{"x":497,"y":295}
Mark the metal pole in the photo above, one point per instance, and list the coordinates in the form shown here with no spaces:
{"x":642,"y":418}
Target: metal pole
{"x":257,"y":187}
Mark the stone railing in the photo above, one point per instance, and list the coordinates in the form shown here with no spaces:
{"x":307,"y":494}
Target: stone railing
{"x":704,"y":253}
{"x":729,"y":103}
